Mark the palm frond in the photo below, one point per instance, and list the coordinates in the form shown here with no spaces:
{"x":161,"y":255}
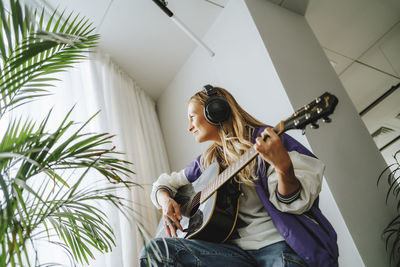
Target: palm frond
{"x":70,"y":210}
{"x":36,"y":49}
{"x":44,"y":193}
{"x":76,"y":219}
{"x":16,"y":139}
{"x":392,"y":230}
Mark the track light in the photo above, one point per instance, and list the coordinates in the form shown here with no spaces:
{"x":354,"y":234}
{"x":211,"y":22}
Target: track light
{"x":163,"y":5}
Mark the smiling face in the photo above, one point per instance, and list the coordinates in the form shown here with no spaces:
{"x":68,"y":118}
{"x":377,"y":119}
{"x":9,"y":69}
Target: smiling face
{"x":201,"y":129}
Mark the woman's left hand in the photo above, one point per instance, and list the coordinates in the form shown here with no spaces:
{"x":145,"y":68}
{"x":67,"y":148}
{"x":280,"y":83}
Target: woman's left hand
{"x":273,"y":151}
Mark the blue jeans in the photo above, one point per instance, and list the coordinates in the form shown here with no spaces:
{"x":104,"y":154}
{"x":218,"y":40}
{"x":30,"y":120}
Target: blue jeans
{"x":190,"y":252}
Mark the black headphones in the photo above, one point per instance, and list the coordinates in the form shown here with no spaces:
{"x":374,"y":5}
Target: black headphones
{"x":216,"y":108}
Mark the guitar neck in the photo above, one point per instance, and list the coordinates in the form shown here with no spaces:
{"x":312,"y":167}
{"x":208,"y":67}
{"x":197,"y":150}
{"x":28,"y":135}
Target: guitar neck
{"x":234,"y":168}
{"x":321,"y":107}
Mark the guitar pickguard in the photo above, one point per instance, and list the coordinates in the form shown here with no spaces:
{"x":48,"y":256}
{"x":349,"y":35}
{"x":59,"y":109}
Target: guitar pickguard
{"x":195,"y":222}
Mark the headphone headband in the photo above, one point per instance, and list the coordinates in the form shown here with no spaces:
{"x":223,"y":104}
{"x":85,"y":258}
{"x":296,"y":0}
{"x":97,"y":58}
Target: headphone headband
{"x":210,"y":90}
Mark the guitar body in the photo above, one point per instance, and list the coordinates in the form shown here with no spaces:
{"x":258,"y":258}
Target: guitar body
{"x":214,"y":219}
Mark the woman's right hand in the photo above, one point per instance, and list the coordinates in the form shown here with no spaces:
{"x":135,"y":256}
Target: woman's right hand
{"x":171,"y":213}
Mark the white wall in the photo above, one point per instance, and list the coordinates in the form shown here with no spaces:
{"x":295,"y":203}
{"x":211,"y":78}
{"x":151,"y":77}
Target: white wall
{"x":243,"y":65}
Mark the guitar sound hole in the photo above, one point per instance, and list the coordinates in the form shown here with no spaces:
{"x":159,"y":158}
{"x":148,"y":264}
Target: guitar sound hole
{"x":195,"y":204}
{"x":194,"y":210}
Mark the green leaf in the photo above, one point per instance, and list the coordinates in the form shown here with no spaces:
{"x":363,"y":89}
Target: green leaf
{"x":42,"y":171}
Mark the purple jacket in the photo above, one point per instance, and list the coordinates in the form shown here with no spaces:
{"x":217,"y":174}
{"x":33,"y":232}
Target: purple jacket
{"x":314,"y":240}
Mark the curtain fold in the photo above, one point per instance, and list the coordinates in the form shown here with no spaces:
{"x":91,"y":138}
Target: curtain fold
{"x":129,"y":113}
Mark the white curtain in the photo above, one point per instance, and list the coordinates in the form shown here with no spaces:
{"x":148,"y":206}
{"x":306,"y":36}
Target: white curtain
{"x":129,"y":113}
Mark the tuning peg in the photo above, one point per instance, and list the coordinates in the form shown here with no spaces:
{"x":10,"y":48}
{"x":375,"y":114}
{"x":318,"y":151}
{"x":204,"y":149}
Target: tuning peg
{"x":314,"y":125}
{"x":327,"y":120}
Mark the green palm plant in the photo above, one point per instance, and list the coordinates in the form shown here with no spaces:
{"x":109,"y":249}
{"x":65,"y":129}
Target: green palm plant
{"x":392,"y":231}
{"x":43,"y":174}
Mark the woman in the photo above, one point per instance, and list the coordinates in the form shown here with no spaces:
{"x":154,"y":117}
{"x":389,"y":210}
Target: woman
{"x":279,"y":222}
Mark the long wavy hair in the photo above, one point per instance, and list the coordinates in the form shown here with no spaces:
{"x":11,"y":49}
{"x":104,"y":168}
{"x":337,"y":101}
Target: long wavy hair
{"x":235,"y":134}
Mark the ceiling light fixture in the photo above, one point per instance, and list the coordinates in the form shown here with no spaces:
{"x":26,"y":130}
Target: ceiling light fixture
{"x":380,"y":99}
{"x":382,"y":130}
{"x":163,"y":5}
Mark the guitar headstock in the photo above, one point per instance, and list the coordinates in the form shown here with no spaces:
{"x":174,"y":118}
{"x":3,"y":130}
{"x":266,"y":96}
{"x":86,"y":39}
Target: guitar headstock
{"x":321,"y":107}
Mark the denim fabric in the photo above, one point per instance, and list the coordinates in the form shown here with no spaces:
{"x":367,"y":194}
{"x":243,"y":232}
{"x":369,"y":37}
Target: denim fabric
{"x":189,"y":252}
{"x":277,"y":255}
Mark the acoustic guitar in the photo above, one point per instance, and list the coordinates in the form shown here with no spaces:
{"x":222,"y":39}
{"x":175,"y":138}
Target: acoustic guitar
{"x":210,"y":205}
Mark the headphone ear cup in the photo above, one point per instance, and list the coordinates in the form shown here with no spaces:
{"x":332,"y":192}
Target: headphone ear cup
{"x":217,"y":110}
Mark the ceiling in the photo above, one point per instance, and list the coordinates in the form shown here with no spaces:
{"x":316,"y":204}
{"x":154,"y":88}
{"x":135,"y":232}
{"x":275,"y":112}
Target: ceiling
{"x":361,"y":38}
{"x":140,"y":38}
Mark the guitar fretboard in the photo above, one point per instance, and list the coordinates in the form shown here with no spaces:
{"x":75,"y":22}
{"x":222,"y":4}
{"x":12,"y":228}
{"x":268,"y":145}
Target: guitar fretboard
{"x":228,"y":173}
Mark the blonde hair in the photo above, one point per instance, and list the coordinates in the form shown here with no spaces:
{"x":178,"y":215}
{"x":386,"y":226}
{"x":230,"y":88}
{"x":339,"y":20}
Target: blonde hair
{"x":235,"y":134}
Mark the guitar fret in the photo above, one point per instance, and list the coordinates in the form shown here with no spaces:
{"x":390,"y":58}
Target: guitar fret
{"x":227,"y":173}
{"x":232,"y":169}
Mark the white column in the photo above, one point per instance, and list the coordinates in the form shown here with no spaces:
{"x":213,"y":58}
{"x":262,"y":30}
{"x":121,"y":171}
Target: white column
{"x":352,"y":158}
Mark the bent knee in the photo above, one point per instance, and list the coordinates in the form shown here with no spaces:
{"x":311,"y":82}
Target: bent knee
{"x":156,"y":251}
{"x":157,"y":246}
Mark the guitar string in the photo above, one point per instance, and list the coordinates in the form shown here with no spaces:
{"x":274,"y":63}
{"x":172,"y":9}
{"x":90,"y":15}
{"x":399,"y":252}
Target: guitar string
{"x":222,"y":178}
